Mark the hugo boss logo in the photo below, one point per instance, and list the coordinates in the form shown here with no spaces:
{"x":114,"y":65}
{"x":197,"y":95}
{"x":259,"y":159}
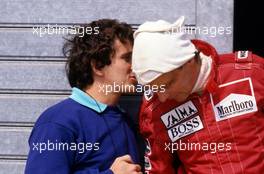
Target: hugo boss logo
{"x":186,"y":128}
{"x":181,"y":122}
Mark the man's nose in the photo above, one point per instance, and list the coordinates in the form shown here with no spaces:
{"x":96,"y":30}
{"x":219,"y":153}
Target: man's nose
{"x":163,"y":96}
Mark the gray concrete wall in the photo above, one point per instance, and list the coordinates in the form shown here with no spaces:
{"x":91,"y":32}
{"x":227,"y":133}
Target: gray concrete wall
{"x":32,"y":74}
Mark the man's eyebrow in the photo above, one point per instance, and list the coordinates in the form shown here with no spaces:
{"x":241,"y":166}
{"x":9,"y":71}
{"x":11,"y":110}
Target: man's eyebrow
{"x":127,"y":54}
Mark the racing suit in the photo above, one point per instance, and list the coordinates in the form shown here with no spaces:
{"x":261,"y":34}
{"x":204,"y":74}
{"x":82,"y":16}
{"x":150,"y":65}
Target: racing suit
{"x":220,"y":130}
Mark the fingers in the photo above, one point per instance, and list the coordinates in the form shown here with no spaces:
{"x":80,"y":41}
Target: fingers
{"x":136,"y":167}
{"x":126,"y":158}
{"x":125,"y":165}
{"x":137,"y":173}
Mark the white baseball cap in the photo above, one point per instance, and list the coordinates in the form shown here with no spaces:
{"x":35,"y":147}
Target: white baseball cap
{"x":160,"y":47}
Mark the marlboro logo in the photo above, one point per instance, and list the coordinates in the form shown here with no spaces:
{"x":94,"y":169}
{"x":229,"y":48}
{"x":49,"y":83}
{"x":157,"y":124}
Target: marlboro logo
{"x":234,"y":99}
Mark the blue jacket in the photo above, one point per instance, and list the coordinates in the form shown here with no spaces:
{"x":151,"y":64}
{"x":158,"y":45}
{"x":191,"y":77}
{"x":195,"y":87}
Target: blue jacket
{"x":79,"y":136}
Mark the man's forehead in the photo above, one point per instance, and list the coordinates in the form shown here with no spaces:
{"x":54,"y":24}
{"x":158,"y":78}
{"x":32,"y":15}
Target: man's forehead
{"x":125,"y":43}
{"x":122,"y":48}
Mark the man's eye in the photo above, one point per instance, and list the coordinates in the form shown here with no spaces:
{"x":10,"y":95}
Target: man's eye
{"x":127,"y":59}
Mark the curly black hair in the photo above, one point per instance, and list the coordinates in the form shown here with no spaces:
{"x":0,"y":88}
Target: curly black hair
{"x":81,"y":51}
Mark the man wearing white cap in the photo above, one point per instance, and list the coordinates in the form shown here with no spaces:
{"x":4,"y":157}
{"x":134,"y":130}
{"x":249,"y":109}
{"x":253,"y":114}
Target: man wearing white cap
{"x":210,"y":114}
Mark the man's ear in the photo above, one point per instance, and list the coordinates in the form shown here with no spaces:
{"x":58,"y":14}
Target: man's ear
{"x":96,"y":71}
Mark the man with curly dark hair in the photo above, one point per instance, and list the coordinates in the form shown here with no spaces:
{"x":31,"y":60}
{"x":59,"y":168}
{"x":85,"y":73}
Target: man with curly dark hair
{"x":88,"y":133}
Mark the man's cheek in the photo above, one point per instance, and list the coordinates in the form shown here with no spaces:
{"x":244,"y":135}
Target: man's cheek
{"x":163,"y":96}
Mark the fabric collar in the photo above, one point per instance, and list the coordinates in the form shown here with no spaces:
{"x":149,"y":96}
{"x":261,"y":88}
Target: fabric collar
{"x":209,"y":50}
{"x":85,"y":100}
{"x":205,"y":70}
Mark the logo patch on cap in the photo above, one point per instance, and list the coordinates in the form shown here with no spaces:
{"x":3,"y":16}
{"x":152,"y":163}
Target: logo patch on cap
{"x":234,"y":99}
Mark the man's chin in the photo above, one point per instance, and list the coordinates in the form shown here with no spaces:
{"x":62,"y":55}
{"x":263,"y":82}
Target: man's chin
{"x":132,"y":81}
{"x":180,"y":98}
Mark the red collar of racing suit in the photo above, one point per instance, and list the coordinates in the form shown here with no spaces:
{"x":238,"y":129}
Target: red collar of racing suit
{"x":209,"y":50}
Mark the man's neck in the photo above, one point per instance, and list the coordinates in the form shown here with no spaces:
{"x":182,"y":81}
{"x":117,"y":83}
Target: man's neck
{"x":99,"y":94}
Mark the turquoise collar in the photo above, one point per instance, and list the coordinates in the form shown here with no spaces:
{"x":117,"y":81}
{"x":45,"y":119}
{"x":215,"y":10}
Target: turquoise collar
{"x":84,"y":99}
